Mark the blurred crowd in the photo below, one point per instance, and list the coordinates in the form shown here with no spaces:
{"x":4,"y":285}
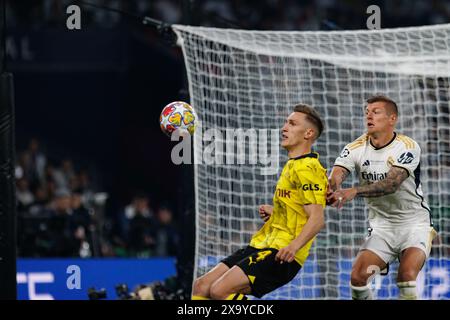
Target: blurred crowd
{"x":251,"y":14}
{"x":61,"y":213}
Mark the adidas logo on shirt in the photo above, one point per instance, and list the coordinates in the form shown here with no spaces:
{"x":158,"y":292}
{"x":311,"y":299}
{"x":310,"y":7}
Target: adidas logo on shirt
{"x":366,"y":163}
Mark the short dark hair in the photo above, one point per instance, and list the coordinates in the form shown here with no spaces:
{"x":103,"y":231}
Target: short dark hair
{"x":311,"y":115}
{"x":383,"y":98}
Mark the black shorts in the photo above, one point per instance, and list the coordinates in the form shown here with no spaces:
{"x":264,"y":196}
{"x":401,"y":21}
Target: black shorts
{"x":264,"y":273}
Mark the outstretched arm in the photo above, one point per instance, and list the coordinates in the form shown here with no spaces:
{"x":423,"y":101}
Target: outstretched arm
{"x":337,"y":177}
{"x":390,"y":184}
{"x":394,"y":179}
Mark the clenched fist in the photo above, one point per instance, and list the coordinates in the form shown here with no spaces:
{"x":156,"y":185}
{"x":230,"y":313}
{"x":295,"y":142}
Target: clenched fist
{"x":265,"y":211}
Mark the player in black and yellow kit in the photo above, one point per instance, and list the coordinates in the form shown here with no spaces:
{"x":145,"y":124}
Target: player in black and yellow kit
{"x":279,"y":249}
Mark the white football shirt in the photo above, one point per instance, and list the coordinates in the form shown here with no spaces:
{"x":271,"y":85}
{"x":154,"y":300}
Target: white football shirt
{"x":407,"y":205}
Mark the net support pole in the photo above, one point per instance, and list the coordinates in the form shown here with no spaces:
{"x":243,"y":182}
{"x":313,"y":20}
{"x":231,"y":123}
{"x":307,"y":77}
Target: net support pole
{"x":186,"y":254}
{"x":8,"y":282}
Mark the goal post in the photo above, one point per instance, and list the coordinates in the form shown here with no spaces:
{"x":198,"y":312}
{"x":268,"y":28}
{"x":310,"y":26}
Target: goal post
{"x":250,"y":80}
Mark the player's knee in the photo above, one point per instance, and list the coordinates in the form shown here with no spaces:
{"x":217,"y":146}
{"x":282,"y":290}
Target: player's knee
{"x":406,"y":275}
{"x":359,"y":278}
{"x":201,"y":288}
{"x":217,"y":292}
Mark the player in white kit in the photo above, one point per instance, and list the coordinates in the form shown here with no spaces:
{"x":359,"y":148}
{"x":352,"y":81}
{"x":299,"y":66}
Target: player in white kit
{"x":388,"y":166}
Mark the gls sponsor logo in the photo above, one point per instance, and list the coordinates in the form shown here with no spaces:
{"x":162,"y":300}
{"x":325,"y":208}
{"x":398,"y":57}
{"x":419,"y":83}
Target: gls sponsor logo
{"x":312,"y":187}
{"x":373,"y":176}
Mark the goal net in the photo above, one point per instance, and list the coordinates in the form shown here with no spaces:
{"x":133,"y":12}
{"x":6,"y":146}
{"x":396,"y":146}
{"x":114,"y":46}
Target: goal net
{"x":243,"y":84}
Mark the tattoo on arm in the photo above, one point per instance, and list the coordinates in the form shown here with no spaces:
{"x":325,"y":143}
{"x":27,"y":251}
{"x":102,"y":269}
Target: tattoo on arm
{"x":338,"y":177}
{"x":394,"y":179}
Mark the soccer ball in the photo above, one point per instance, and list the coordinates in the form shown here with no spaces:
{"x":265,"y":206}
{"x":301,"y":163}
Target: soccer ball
{"x":178,"y":115}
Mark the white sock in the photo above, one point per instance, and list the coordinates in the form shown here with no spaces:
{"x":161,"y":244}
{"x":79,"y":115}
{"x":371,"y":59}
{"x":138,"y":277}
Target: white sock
{"x":407,"y":290}
{"x":361,"y":293}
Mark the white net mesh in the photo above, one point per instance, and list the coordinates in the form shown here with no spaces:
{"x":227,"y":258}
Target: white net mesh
{"x":252,"y":79}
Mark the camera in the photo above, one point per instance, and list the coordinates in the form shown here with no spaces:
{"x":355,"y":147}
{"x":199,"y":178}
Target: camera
{"x":94,"y":294}
{"x":123,"y":293}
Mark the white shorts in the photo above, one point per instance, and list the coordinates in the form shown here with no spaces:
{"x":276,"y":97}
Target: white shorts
{"x":389,"y":243}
